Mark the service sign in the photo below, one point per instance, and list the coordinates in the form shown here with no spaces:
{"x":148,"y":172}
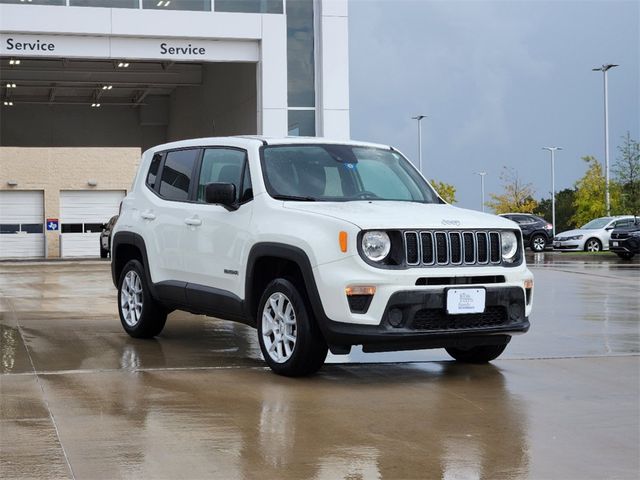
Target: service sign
{"x":25,"y":45}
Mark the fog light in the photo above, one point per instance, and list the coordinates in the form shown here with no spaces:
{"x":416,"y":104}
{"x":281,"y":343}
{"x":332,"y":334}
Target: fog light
{"x":395,"y":317}
{"x":528,"y":283}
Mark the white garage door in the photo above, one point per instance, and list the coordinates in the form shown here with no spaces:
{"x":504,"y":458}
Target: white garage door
{"x":21,"y":224}
{"x":82,"y":214}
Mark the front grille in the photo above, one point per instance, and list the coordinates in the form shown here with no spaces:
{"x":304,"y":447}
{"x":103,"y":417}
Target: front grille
{"x":439,"y":319}
{"x":618,"y":235}
{"x":452,"y":248}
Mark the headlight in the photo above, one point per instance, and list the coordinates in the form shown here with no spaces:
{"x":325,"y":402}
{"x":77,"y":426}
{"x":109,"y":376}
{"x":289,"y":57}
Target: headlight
{"x":575,"y":237}
{"x":376,"y":245}
{"x":509,"y":246}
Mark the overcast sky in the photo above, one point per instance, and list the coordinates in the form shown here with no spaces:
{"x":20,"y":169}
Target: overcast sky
{"x":498,"y":81}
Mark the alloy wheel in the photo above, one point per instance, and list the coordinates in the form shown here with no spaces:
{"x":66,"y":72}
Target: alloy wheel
{"x":539,"y":244}
{"x":131,"y":298}
{"x":593,"y":246}
{"x":279,"y":327}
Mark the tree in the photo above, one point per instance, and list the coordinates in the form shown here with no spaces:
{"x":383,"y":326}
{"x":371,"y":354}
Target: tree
{"x":517,"y":196}
{"x":627,"y":173}
{"x":564,"y":209}
{"x":589,"y":202}
{"x":445,"y":190}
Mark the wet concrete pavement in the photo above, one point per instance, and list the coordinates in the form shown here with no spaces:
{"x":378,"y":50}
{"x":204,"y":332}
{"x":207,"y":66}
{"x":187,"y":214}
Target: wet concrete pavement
{"x":79,"y":398}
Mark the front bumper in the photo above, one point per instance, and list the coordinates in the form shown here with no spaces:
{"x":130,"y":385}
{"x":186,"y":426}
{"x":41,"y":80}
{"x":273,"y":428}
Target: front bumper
{"x":426,"y":324}
{"x":566,"y":245}
{"x":625,"y":245}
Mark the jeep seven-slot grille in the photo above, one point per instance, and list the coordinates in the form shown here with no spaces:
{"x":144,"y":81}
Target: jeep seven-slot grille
{"x":442,"y":247}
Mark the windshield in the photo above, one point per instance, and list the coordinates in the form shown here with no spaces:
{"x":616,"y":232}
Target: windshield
{"x":597,"y":223}
{"x":334,"y":173}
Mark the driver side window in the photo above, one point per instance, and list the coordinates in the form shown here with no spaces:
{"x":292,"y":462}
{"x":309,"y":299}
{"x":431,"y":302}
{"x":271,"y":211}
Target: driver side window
{"x":222,"y":165}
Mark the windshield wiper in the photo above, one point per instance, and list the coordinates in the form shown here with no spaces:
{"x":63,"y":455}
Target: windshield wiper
{"x":294,"y":197}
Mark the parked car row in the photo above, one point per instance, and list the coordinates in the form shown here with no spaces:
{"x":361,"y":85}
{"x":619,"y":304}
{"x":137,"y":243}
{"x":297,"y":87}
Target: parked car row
{"x":618,"y":234}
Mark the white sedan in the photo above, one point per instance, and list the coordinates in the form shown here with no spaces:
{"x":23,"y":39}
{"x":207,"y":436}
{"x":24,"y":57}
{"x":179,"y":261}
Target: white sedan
{"x":592,"y":237}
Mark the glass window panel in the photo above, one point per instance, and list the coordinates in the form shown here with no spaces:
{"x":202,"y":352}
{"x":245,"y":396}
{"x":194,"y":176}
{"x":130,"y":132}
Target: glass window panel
{"x":153,"y":171}
{"x":220,"y":165}
{"x":302,"y":123}
{"x":192,"y":5}
{"x":105,"y":3}
{"x":92,"y":227}
{"x":71,"y":228}
{"x":35,"y":2}
{"x":32,"y":227}
{"x":247,"y":187}
{"x":9,"y":228}
{"x":248,"y":6}
{"x":176,"y":174}
{"x":300,"y":55}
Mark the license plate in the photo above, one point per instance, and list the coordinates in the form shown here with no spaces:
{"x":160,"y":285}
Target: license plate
{"x":465,"y":300}
{"x":615,"y":244}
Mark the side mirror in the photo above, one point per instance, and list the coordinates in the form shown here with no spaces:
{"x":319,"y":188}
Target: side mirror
{"x":221,"y":194}
{"x":609,"y":228}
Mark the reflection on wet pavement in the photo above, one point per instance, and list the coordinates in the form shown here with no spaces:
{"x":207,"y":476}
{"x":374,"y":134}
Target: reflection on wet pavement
{"x":79,"y":398}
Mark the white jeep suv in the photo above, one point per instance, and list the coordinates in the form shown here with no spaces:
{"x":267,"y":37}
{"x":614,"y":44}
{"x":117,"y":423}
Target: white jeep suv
{"x":320,"y":245}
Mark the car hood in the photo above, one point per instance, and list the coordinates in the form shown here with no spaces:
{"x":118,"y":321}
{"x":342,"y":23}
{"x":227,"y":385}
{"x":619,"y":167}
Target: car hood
{"x":373,"y":214}
{"x":578,"y":231}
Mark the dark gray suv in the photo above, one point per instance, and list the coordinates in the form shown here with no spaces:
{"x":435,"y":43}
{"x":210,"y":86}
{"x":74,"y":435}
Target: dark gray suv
{"x":537,"y":233}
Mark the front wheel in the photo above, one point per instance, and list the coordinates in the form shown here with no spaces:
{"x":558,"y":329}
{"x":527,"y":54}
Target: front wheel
{"x":538,"y":243}
{"x":593,"y":245}
{"x":290,"y":340}
{"x":141,"y":316}
{"x":625,"y":255}
{"x":478,"y":354}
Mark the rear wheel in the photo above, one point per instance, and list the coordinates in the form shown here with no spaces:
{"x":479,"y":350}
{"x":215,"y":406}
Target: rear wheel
{"x":538,"y":243}
{"x":290,"y":340}
{"x":479,"y":354}
{"x":141,"y":316}
{"x":593,"y":245}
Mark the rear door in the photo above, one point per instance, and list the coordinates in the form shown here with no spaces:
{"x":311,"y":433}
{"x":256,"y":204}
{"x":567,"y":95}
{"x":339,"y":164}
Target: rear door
{"x":166,"y":214}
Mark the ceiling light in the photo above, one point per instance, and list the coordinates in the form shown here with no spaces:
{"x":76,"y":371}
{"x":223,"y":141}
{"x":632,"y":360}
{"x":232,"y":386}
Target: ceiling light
{"x":11,"y":85}
{"x":8,"y":103}
{"x":123,"y":65}
{"x":14,"y":62}
{"x":107,"y":87}
{"x":95,"y":105}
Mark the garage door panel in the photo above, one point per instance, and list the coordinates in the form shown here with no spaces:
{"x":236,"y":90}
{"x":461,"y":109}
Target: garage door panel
{"x":21,"y":206}
{"x":87,"y":210}
{"x":89,"y":206}
{"x":21,"y":220}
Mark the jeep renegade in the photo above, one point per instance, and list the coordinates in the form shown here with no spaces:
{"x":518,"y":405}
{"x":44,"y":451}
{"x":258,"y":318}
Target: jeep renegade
{"x":320,"y":245}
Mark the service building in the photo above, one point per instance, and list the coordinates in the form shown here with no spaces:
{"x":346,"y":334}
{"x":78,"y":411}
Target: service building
{"x":86,"y":85}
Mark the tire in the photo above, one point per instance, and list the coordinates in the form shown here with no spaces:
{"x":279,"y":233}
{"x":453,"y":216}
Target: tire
{"x":625,"y":255}
{"x":592,"y":245}
{"x":289,"y":337}
{"x":479,"y":354}
{"x":103,"y":252}
{"x":141,"y":316}
{"x":538,"y":243}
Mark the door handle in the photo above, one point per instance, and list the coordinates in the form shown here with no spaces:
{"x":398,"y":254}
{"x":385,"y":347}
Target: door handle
{"x":193,"y":221}
{"x":148,"y":215}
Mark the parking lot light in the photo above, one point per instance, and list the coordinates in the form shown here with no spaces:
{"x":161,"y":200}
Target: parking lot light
{"x":553,"y":185}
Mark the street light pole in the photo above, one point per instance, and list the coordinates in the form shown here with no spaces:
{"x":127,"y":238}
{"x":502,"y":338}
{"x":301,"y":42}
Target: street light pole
{"x":419,"y":119}
{"x":553,"y":185}
{"x":482,"y":174}
{"x":604,"y":68}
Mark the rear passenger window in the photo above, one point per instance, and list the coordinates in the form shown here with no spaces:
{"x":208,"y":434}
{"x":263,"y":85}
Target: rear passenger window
{"x":153,"y":171}
{"x":221,"y":165}
{"x":176,"y":174}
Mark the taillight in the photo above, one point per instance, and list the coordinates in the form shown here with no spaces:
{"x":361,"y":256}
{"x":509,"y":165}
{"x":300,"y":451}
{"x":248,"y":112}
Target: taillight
{"x":548,"y":226}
